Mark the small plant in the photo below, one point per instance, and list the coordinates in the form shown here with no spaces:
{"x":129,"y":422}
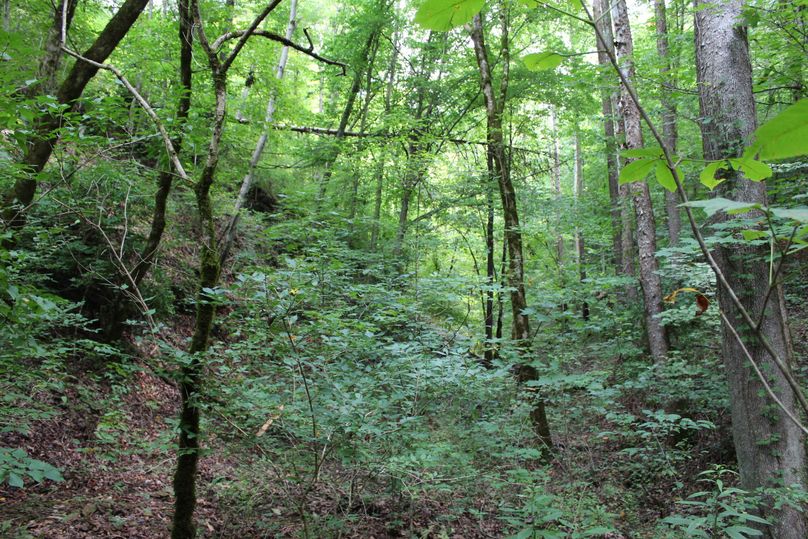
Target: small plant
{"x":15,"y":465}
{"x":722,"y":511}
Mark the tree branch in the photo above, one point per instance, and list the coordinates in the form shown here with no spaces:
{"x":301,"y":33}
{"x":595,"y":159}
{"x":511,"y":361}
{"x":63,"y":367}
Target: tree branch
{"x":308,"y":51}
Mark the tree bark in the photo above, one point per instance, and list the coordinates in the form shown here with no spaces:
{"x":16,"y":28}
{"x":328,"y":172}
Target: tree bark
{"x":646,"y":227}
{"x":770,"y":448}
{"x":513,"y":235}
{"x":41,"y":146}
{"x":668,"y":115}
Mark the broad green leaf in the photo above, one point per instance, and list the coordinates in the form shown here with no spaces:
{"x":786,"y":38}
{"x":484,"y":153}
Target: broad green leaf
{"x":443,"y":15}
{"x":542,"y":61}
{"x":15,"y":480}
{"x":654,"y":151}
{"x":664,"y":176}
{"x":752,"y":170}
{"x":713,"y":205}
{"x":742,"y":532}
{"x":707,"y":176}
{"x":637,"y":170}
{"x":751,"y":235}
{"x":785,"y":135}
{"x":795,"y":214}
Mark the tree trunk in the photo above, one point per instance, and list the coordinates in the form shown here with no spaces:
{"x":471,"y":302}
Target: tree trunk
{"x":646,"y":228}
{"x":166,"y":176}
{"x":668,"y":115}
{"x":604,"y":23}
{"x":41,"y":146}
{"x":490,"y":267}
{"x":578,"y":189}
{"x":229,"y":233}
{"x":513,"y":234}
{"x":557,"y":191}
{"x":769,"y":447}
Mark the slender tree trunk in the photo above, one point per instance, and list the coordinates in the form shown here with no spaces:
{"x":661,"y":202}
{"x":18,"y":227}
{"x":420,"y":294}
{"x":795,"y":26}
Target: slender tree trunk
{"x":604,"y":23}
{"x":7,"y":15}
{"x":769,"y":447}
{"x":624,"y":191}
{"x":578,"y":189}
{"x":41,"y":145}
{"x":166,"y":176}
{"x":490,"y":267}
{"x":513,"y":234}
{"x":557,"y":191}
{"x":52,"y":57}
{"x":668,"y":115}
{"x":192,"y":371}
{"x":646,"y":227}
{"x":229,"y":233}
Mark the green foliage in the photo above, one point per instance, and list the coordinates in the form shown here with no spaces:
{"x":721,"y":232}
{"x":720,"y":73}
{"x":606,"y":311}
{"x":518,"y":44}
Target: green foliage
{"x":720,"y":510}
{"x":16,"y":465}
{"x":785,"y":135}
{"x":442,"y":15}
{"x":542,"y":61}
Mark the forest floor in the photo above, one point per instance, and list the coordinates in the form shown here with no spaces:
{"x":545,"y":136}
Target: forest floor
{"x":112,"y":437}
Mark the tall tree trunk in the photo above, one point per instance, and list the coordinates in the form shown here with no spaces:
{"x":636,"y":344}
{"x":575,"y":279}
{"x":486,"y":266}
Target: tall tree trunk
{"x":229,"y":233}
{"x":668,"y":115}
{"x":557,"y":191}
{"x":646,"y":227}
{"x":41,"y":146}
{"x":490,"y":266}
{"x":166,"y":176}
{"x":52,"y":57}
{"x":624,"y":191}
{"x":192,"y":371}
{"x":769,"y":447}
{"x":604,"y":23}
{"x":578,"y":189}
{"x":7,"y":15}
{"x":513,"y":233}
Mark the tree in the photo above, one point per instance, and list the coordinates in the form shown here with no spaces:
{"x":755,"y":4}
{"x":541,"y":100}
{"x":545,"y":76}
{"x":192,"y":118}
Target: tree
{"x":500,"y":169}
{"x":646,"y":227}
{"x":668,"y":114}
{"x":769,"y":446}
{"x":41,"y":146}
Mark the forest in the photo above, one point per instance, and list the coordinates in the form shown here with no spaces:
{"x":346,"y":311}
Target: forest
{"x":432,"y":269}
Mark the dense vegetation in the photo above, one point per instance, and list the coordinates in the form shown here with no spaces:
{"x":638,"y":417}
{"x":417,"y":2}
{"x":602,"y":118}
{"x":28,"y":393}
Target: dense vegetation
{"x":439,"y":268}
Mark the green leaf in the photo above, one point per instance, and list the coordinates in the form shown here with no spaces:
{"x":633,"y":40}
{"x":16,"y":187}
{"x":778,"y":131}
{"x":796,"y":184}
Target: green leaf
{"x":795,"y":214}
{"x":443,"y":15}
{"x":15,"y":480}
{"x":542,"y":61}
{"x":752,"y":169}
{"x":664,"y":176}
{"x":785,"y":135}
{"x":742,"y":532}
{"x":707,"y":176}
{"x":713,"y":205}
{"x":751,"y":235}
{"x":637,"y":170}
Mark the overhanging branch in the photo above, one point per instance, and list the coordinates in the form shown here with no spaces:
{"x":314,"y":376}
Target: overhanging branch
{"x":308,"y":51}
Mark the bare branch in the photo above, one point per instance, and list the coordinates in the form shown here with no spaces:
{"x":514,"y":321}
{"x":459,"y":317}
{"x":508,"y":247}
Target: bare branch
{"x":308,"y":51}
